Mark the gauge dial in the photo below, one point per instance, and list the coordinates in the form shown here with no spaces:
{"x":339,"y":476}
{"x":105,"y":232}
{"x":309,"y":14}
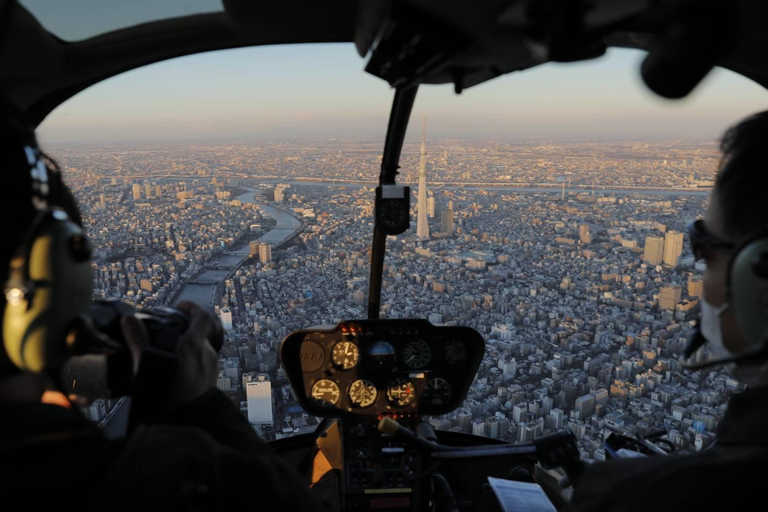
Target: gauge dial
{"x":437,"y":391}
{"x":362,"y":393}
{"x":345,"y":355}
{"x":381,"y":354}
{"x":401,"y":392}
{"x":455,"y":352}
{"x":417,"y":354}
{"x":326,"y":391}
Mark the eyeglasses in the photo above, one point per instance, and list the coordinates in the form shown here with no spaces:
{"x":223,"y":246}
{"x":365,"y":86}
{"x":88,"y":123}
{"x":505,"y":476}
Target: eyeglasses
{"x":702,"y":240}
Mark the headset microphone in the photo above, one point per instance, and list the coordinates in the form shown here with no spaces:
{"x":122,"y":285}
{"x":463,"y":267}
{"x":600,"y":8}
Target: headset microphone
{"x":695,"y":341}
{"x":753,"y":354}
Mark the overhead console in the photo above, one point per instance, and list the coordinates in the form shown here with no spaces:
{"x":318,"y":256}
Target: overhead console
{"x":382,"y":367}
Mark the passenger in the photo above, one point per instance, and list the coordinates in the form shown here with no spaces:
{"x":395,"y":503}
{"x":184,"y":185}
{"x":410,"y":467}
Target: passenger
{"x":206,"y":456}
{"x":730,"y":474}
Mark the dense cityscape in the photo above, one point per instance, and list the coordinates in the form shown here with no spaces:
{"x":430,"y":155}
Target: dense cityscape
{"x":568,"y":258}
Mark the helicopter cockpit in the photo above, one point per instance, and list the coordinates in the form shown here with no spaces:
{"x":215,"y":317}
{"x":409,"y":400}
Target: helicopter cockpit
{"x":374,"y":381}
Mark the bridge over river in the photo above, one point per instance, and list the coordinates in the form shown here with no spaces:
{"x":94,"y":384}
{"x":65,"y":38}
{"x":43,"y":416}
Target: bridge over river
{"x":203,"y":288}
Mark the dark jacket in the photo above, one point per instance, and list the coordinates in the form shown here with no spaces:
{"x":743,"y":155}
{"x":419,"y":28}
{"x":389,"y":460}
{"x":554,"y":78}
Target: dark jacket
{"x":731,"y":475}
{"x":206,"y":458}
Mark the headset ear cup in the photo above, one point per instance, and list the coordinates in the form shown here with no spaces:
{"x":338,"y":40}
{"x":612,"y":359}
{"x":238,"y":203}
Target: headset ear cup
{"x":748,"y":287}
{"x":48,"y":288}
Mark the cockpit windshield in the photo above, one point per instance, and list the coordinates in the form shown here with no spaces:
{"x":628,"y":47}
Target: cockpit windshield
{"x":81,"y":19}
{"x":552,"y":223}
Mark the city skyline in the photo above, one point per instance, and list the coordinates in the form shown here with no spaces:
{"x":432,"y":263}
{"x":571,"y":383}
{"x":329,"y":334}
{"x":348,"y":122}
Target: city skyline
{"x":321,"y":91}
{"x":582,"y":331}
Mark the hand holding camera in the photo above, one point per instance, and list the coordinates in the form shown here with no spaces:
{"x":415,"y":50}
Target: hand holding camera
{"x":164,"y":357}
{"x":197,"y":359}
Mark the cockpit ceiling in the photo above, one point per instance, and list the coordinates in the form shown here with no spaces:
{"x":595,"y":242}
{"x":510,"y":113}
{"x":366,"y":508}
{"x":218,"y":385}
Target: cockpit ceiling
{"x":40,"y":69}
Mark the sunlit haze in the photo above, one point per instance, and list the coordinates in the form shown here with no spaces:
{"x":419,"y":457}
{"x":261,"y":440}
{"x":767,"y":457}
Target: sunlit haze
{"x":313,"y":91}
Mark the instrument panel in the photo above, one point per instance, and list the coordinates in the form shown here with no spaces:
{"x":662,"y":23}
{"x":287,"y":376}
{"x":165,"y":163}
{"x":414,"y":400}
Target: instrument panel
{"x":386,"y":366}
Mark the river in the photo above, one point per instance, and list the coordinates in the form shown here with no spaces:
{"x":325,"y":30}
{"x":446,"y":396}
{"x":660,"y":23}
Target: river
{"x":203,"y":288}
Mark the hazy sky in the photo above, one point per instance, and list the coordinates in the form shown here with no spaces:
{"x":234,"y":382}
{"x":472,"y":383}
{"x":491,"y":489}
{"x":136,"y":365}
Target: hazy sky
{"x":322,"y":91}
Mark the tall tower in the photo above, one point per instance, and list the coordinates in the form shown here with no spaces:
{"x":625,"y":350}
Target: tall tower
{"x":422,"y":228}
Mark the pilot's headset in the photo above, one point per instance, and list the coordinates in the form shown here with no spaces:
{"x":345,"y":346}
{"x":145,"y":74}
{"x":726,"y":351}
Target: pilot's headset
{"x":747,"y":291}
{"x":49,"y":279}
{"x":747,"y":296}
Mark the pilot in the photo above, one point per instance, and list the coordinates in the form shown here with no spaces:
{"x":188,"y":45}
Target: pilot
{"x":730,"y":474}
{"x":206,"y":456}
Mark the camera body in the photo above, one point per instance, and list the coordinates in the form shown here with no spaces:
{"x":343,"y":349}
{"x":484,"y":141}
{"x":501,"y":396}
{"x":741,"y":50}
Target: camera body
{"x":165,"y":325}
{"x":110,"y":374}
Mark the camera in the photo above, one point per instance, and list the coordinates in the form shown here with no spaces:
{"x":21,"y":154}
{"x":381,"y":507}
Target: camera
{"x":106,"y":368}
{"x":165,"y":325}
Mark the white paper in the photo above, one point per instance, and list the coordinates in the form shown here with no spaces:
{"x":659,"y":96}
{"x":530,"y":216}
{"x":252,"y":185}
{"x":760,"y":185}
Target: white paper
{"x":520,"y":496}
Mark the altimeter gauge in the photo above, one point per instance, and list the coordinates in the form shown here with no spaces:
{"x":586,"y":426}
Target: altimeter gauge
{"x":362,"y":393}
{"x":345,"y":355}
{"x":437,"y":391}
{"x":401,"y":392}
{"x":417,"y":354}
{"x":326,"y":391}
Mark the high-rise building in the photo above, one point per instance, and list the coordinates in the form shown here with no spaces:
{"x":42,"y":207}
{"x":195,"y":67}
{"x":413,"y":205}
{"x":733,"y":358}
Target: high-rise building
{"x":431,"y":206}
{"x":265,"y":253}
{"x":653,"y":252}
{"x":669,"y":296}
{"x":223,"y":382}
{"x":226,"y":319}
{"x":584,"y":235}
{"x":695,"y":287}
{"x":102,"y":201}
{"x":148,"y":190}
{"x":136,"y":191}
{"x":601,"y":396}
{"x":159,"y":192}
{"x":258,"y":390}
{"x":518,"y":412}
{"x":492,"y":427}
{"x":280,"y":192}
{"x":422,"y":227}
{"x":557,"y":415}
{"x":253,"y":248}
{"x":446,"y":220}
{"x":673,"y":248}
{"x":585,"y":406}
{"x":464,"y":419}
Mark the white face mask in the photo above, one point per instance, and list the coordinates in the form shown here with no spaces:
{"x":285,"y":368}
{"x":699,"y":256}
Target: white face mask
{"x":751,"y":374}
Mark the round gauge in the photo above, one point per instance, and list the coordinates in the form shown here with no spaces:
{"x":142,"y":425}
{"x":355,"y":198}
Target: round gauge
{"x":455,"y":352}
{"x":362,"y":393}
{"x":381,"y":354}
{"x":417,"y":354}
{"x":345,"y":355}
{"x":437,"y":391}
{"x":326,"y":391}
{"x":401,"y":392}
